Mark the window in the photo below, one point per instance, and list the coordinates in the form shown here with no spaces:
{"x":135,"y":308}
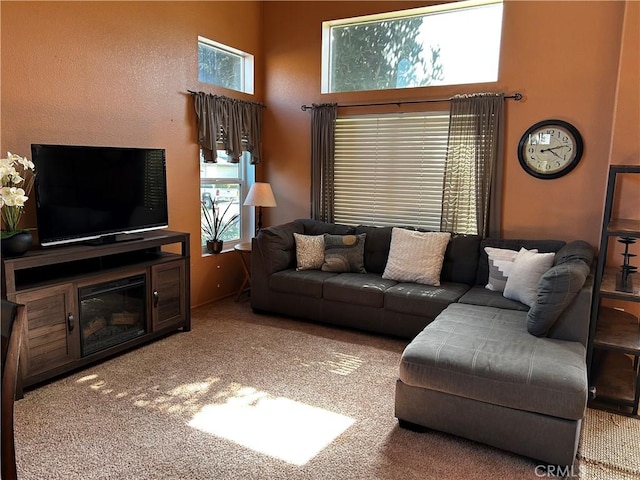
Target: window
{"x":453,"y":43}
{"x":389,"y":169}
{"x":224,"y":186}
{"x":224,"y":66}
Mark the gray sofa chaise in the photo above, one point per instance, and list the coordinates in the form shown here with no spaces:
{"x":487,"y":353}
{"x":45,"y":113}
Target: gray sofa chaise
{"x":472,"y":367}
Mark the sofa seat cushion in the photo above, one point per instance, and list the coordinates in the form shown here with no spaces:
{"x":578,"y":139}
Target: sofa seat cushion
{"x":486,"y":298}
{"x":423,"y":300}
{"x":486,"y":354}
{"x":357,"y":288}
{"x":307,"y":283}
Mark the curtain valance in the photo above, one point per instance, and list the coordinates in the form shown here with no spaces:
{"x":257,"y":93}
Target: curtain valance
{"x":236,"y":124}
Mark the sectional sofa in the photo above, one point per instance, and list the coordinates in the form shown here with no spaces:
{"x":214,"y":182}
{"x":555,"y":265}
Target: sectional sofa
{"x":495,"y":357}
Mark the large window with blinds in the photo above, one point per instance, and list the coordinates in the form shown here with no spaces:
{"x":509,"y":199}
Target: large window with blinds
{"x":389,"y":169}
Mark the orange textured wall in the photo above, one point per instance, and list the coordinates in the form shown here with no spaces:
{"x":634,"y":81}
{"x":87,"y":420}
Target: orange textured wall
{"x":564,"y":62}
{"x":625,"y":147}
{"x":117,"y":73}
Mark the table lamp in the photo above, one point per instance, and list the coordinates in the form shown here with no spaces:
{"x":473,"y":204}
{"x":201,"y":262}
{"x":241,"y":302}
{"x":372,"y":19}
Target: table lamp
{"x":260,"y":195}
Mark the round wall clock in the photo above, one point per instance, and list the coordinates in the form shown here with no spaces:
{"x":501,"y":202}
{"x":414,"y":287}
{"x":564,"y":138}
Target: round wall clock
{"x":550,"y":149}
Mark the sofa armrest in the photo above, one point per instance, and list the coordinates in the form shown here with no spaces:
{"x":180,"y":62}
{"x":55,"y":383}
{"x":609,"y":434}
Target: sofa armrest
{"x":277,"y":246}
{"x":573,"y":323}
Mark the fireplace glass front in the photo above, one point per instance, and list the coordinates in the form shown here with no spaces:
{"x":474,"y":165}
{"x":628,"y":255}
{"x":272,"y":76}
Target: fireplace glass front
{"x":112,"y":313}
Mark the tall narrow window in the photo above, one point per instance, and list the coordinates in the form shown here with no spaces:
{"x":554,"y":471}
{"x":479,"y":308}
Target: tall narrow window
{"x":389,"y":169}
{"x":224,"y":186}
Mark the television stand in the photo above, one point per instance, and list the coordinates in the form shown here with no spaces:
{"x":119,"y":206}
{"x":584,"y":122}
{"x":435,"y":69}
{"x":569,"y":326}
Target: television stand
{"x":109,"y":239}
{"x":88,"y":303}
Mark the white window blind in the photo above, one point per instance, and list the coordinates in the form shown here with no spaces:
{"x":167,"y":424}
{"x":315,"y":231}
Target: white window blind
{"x":389,"y":169}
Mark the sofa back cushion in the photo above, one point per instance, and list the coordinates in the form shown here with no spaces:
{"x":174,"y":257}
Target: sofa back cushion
{"x":376,"y":247}
{"x":317,"y":227}
{"x":461,"y":259}
{"x":543,"y":246}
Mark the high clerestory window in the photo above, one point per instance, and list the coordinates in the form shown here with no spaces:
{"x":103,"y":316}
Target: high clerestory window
{"x":448,"y":44}
{"x":224,"y":66}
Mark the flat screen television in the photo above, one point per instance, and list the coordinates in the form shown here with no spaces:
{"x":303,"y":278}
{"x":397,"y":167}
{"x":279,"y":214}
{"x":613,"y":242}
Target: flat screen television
{"x":98,"y":194}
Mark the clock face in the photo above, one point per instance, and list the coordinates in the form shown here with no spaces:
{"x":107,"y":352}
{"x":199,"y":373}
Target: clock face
{"x":550,"y":149}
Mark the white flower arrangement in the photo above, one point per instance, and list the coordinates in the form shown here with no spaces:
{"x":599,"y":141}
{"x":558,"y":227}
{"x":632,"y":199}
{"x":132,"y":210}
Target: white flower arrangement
{"x":17,"y":175}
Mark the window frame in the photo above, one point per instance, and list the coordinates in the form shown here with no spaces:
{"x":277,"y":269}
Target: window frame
{"x":246,"y":178}
{"x":246,"y":69}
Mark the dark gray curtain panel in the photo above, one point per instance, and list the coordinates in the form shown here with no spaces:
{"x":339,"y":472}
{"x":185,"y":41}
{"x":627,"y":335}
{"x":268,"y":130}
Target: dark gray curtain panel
{"x":472,"y":190}
{"x":323,"y":121}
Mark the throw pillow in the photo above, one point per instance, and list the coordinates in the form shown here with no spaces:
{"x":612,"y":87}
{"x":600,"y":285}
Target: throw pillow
{"x":576,"y":250}
{"x":309,"y":251}
{"x":527,"y":269}
{"x":500,"y":263}
{"x":344,"y":253}
{"x":416,"y":256}
{"x":556,"y":290}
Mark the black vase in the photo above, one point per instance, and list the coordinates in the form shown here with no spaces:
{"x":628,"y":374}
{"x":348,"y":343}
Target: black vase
{"x":214,"y":246}
{"x":16,"y":245}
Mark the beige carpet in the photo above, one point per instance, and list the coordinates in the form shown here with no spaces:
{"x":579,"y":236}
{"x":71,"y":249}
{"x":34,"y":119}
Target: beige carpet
{"x":246,"y":396}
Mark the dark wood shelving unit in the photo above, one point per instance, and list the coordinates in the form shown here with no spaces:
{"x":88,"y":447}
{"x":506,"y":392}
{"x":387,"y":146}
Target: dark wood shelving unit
{"x":49,"y":281}
{"x":613,"y":354}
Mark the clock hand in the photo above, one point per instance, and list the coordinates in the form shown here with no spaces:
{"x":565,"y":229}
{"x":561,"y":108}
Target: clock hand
{"x":550,"y":149}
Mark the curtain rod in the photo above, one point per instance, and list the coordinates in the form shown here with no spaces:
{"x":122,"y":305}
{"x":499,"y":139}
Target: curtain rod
{"x":516,"y":96}
{"x":191,"y":92}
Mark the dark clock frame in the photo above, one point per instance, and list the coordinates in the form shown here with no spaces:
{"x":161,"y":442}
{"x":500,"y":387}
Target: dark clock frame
{"x":579,"y":148}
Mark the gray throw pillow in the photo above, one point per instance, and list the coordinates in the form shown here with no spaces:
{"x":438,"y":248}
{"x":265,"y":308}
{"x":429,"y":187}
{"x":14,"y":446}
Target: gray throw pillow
{"x":556,"y":290}
{"x":576,"y":250}
{"x":344,"y":253}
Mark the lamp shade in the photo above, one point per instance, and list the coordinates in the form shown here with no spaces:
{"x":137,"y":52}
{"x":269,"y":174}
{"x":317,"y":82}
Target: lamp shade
{"x":260,"y":195}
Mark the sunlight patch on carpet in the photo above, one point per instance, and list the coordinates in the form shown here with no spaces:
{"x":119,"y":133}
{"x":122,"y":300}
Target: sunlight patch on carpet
{"x":276,"y":426}
{"x":344,"y":364}
{"x":341,"y":364}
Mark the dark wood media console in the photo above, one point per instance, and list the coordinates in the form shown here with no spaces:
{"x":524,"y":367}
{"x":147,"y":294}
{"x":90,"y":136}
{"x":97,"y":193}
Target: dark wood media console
{"x":89,"y":302}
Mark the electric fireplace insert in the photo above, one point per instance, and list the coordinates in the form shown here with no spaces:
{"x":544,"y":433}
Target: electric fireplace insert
{"x":111,"y":313}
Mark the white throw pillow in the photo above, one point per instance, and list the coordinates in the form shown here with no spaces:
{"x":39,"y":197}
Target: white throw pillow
{"x":309,"y":251}
{"x":500,"y":264}
{"x":528,"y":268}
{"x":416,"y":256}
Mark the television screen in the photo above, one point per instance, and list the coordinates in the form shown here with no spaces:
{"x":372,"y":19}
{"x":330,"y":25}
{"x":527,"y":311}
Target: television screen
{"x":89,"y":193}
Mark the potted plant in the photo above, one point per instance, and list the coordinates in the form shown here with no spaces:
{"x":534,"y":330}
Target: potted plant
{"x":17,"y":175}
{"x":214,"y":225}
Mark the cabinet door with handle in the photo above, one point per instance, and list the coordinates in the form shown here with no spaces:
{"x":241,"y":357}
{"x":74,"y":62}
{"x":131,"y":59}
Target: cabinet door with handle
{"x":167,"y":299}
{"x":52,"y":339}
